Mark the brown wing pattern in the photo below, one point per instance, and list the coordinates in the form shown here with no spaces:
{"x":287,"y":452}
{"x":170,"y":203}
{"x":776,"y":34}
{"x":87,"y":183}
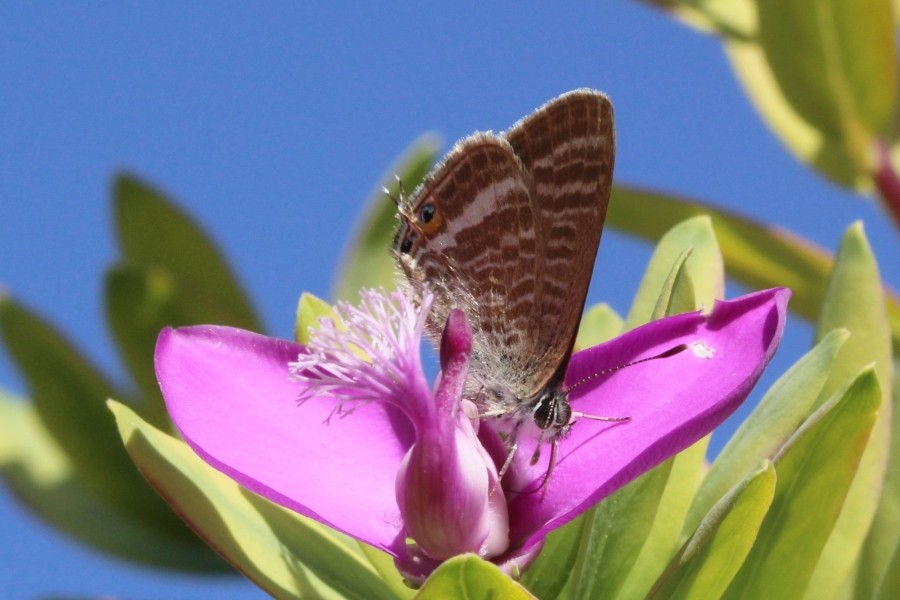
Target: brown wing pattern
{"x":507,"y":228}
{"x":568,"y":146}
{"x":476,"y":248}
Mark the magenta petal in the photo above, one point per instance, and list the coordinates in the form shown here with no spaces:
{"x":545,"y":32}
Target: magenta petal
{"x":671,"y":402}
{"x":229,"y":393}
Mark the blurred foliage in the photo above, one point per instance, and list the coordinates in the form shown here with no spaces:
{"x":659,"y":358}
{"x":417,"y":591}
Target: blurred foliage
{"x":823,"y":76}
{"x":64,"y":459}
{"x":804,"y":501}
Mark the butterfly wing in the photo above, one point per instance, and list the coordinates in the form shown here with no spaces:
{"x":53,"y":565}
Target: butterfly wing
{"x":568,"y":147}
{"x":507,"y":228}
{"x":468,"y":233}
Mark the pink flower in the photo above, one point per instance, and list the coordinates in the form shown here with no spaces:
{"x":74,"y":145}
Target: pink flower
{"x":347,"y":430}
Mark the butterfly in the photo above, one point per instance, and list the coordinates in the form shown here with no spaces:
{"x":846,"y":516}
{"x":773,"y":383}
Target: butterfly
{"x":506,"y":227}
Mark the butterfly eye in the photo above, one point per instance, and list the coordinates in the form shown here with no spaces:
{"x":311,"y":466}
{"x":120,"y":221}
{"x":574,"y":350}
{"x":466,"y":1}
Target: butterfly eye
{"x":430,"y":221}
{"x":552,"y":411}
{"x":427,"y":212}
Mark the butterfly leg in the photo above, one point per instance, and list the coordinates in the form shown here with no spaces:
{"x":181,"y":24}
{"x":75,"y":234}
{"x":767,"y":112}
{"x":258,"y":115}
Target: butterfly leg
{"x":513,"y":446}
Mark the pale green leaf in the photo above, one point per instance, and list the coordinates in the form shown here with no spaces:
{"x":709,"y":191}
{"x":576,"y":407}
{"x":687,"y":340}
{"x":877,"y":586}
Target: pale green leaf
{"x":878,"y":562}
{"x":384,"y":565}
{"x":677,"y":294}
{"x":783,"y":408}
{"x":823,"y":73}
{"x":43,"y":478}
{"x":889,"y":586}
{"x":854,"y":301}
{"x":688,"y":468}
{"x":815,"y":471}
{"x":309,"y":310}
{"x":704,"y":266}
{"x":550,"y":571}
{"x":756,"y":254}
{"x":835,"y":61}
{"x":614,"y":534}
{"x":809,"y":144}
{"x":728,"y":18}
{"x":599,"y":324}
{"x":705,"y":565}
{"x":468,"y":577}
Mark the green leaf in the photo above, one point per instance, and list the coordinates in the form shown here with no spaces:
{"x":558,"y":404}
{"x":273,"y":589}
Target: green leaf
{"x":614,"y":534}
{"x":550,"y":571}
{"x":704,"y":266}
{"x":729,"y":18}
{"x":889,"y":587}
{"x":835,"y":61}
{"x":677,"y":291}
{"x":280,"y":551}
{"x":69,"y":396}
{"x":873,"y":572}
{"x":599,"y":324}
{"x":688,"y":468}
{"x":654,"y":523}
{"x":854,"y":301}
{"x":806,"y":142}
{"x":172,"y":275}
{"x":823,"y":73}
{"x":153,"y":233}
{"x":309,"y":310}
{"x":139,"y":303}
{"x":756,"y":254}
{"x":367,"y":261}
{"x":815,"y":470}
{"x":780,"y":412}
{"x":470,"y":578}
{"x":708,"y":561}
{"x":40,"y":474}
{"x":384,"y":565}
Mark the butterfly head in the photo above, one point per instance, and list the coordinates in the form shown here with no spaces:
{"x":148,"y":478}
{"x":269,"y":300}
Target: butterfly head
{"x":418,"y":223}
{"x":551,"y":412}
{"x":547,"y":414}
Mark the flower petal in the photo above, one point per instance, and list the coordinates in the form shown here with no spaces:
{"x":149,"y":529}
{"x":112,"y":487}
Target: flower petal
{"x":229,"y":393}
{"x":672,"y":402}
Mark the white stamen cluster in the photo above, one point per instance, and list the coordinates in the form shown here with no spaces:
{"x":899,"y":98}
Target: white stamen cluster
{"x":369,"y":354}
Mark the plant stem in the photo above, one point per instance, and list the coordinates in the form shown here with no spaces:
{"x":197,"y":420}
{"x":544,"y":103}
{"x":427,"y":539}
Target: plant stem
{"x":888,"y":182}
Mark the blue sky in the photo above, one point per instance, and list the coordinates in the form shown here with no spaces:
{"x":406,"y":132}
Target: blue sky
{"x":271,"y":123}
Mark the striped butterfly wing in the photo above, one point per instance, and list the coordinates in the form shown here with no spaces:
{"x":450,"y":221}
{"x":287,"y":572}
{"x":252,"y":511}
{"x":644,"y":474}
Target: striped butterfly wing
{"x":507,"y":229}
{"x":568,"y":147}
{"x":468,"y":233}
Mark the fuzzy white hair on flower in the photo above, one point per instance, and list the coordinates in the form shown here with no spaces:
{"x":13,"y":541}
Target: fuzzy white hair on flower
{"x":364,"y":353}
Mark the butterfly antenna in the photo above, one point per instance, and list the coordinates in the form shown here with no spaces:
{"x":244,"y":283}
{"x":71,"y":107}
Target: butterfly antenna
{"x":389,"y":194}
{"x":581,"y":415}
{"x":398,"y":199}
{"x":665,"y":354}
